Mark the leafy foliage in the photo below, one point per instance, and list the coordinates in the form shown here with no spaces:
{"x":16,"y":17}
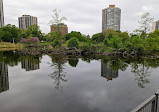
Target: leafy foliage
{"x":97,"y":38}
{"x":32,"y":31}
{"x":73,"y":42}
{"x":76,"y":34}
{"x":56,"y":43}
{"x":50,"y":37}
{"x":9,"y":32}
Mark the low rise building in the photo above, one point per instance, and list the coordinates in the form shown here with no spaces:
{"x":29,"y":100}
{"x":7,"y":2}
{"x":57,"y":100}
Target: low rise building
{"x":59,"y":28}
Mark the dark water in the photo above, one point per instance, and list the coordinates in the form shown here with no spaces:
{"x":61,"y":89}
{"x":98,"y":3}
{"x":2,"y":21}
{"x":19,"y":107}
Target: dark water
{"x":63,"y":84}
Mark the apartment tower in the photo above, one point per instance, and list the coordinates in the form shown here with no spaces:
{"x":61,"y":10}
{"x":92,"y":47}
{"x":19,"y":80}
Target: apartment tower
{"x":111,"y":18}
{"x":1,"y":14}
{"x":26,"y":20}
{"x":155,"y":26}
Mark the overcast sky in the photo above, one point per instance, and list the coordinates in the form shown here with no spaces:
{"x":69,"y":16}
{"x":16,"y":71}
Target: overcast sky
{"x":82,"y":15}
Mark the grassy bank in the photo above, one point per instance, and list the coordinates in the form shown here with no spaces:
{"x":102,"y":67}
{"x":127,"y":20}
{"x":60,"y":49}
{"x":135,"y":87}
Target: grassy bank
{"x":10,"y":46}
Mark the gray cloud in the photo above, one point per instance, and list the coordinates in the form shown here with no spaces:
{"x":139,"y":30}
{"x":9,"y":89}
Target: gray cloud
{"x":84,"y":16}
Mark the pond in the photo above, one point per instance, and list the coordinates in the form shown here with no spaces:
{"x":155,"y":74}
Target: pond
{"x":69,"y":84}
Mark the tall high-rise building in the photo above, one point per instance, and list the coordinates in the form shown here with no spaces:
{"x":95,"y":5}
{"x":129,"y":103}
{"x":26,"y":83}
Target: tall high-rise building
{"x":26,"y":20}
{"x":1,"y":14}
{"x":155,"y":25}
{"x":111,"y":18}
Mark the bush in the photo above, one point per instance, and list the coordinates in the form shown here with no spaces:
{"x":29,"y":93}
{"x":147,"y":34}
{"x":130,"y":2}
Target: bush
{"x":34,"y":40}
{"x":73,"y":42}
{"x":56,"y":43}
{"x":31,"y":40}
{"x":23,"y":40}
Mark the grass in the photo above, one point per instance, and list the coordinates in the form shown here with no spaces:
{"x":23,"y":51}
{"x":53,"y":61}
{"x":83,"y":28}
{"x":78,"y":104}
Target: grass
{"x":7,"y":45}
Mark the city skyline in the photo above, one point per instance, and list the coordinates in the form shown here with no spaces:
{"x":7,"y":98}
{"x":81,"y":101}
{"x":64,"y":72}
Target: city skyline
{"x":86,"y":18}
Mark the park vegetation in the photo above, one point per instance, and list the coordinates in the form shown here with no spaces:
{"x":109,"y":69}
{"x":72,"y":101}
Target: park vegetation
{"x":141,"y":42}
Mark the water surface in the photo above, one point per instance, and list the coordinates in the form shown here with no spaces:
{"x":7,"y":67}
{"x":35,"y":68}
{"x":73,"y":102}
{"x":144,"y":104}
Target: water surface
{"x":69,"y":84}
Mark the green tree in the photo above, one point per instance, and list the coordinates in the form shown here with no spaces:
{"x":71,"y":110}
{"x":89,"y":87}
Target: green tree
{"x":10,"y":32}
{"x":115,"y":42}
{"x":76,"y":34}
{"x":33,"y":31}
{"x":154,"y":34}
{"x":152,"y":43}
{"x":135,"y":44}
{"x":73,"y":42}
{"x":107,"y":42}
{"x":97,"y":38}
{"x":50,"y":37}
{"x":57,"y":21}
{"x":56,"y":43}
{"x":124,"y":36}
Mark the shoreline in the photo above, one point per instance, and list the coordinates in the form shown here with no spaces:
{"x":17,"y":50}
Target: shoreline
{"x":38,"y":49}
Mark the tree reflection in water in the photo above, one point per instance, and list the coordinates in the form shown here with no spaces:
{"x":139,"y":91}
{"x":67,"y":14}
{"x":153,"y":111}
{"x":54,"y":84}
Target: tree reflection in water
{"x":58,"y":75}
{"x":73,"y":61}
{"x":141,"y":68}
{"x":142,"y":72}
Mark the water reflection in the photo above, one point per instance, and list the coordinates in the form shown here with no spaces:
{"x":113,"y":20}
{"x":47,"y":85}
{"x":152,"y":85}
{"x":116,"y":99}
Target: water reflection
{"x":10,"y":58}
{"x":110,"y":67}
{"x":73,"y":61}
{"x":82,"y":84}
{"x":4,"y":82}
{"x":141,"y":68}
{"x":142,"y":73}
{"x":107,"y":71}
{"x":58,"y":75}
{"x":30,"y":63}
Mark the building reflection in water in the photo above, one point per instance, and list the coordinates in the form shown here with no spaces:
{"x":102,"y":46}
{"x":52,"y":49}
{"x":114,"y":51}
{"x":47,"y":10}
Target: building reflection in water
{"x":107,"y":71}
{"x":4,"y":82}
{"x":30,"y":63}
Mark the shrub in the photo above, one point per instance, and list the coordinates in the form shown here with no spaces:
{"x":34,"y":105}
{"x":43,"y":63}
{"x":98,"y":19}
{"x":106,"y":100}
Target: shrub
{"x":31,"y":40}
{"x":23,"y":40}
{"x":34,"y":40}
{"x":73,"y":42}
{"x":56,"y":43}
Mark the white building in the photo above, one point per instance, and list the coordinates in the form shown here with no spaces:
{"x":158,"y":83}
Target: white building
{"x":111,"y":18}
{"x":1,"y":14}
